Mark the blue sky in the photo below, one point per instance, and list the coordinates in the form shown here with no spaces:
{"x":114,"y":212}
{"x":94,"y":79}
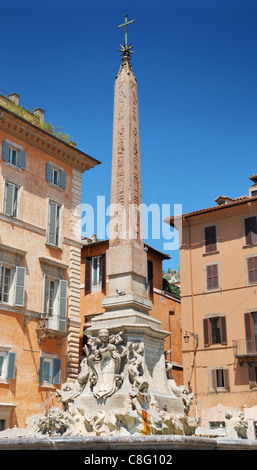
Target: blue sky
{"x":196,"y":70}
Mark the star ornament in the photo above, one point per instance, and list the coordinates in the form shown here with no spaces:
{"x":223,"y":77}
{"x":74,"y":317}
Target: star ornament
{"x":126,"y":50}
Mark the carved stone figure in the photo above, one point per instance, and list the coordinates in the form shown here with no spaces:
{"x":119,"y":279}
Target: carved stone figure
{"x":56,"y":422}
{"x":236,"y":425}
{"x":139,"y":383}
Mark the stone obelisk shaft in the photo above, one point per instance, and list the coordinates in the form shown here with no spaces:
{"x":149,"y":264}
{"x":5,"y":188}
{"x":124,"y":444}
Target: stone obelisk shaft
{"x":126,"y":258}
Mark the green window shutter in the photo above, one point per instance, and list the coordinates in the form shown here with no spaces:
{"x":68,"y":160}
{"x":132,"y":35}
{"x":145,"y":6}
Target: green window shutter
{"x":22,"y":162}
{"x":41,"y":369}
{"x":45,"y":294}
{"x":62,"y":305}
{"x":0,"y":272}
{"x":20,"y":286}
{"x":57,"y":371}
{"x":5,"y":151}
{"x":52,"y":223}
{"x":49,"y":172}
{"x":63,"y":179}
{"x":11,"y":365}
{"x":9,"y":199}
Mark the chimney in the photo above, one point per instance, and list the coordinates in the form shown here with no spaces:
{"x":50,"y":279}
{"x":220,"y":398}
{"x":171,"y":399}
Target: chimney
{"x":39,"y":113}
{"x":15,"y":98}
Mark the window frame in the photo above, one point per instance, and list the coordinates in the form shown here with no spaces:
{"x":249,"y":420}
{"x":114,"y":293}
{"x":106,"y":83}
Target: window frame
{"x":54,"y":377}
{"x":250,"y":237}
{"x":207,"y":330}
{"x":57,"y":321}
{"x":51,"y":169}
{"x":89,"y":274}
{"x":7,"y":148}
{"x":8,"y":365}
{"x":206,"y":277}
{"x":211,"y":247}
{"x":96,"y":286}
{"x":215,"y":373}
{"x":248,"y":270}
{"x":11,"y":290}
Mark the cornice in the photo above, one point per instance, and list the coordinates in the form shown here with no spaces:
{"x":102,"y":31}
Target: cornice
{"x":41,"y":139}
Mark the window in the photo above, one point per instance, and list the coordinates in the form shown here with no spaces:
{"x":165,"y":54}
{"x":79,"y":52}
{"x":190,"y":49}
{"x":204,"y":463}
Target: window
{"x":95,"y":274}
{"x":14,"y":154}
{"x":55,"y":303}
{"x":49,"y":370}
{"x":5,"y":284}
{"x":11,"y":194}
{"x":149,"y":279}
{"x":212,"y":280}
{"x":53,"y":234}
{"x":12,"y":285}
{"x":215,"y":331}
{"x":250,"y":319}
{"x":55,"y":175}
{"x":7,"y":364}
{"x":252,"y":270}
{"x":210,"y":239}
{"x":219,"y":379}
{"x":250,"y":230}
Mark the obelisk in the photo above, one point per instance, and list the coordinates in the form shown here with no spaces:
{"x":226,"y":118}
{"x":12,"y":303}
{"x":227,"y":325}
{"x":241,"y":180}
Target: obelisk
{"x":126,"y":258}
{"x":126,"y":315}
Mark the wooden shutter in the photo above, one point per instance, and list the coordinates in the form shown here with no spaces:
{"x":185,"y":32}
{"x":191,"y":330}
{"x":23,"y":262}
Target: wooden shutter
{"x":62,"y":305}
{"x":9,"y":198}
{"x":251,"y":230}
{"x":103,"y":271}
{"x":210,"y":239}
{"x":5,"y":154}
{"x":20,"y":286}
{"x":223,"y":330}
{"x":226,"y":378}
{"x":212,"y":276}
{"x":206,"y":332}
{"x":88,"y":271}
{"x":252,"y":270}
{"x":45,"y":294}
{"x":63,"y":179}
{"x":248,"y":332}
{"x":11,"y":365}
{"x":52,"y":223}
{"x":49,"y":172}
{"x":41,"y":369}
{"x":0,"y":272}
{"x":57,"y":371}
{"x":214,"y":378}
{"x":22,"y":162}
{"x":150,"y":277}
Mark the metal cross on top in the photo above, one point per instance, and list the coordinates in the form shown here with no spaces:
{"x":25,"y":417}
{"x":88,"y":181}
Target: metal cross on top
{"x":126,"y":29}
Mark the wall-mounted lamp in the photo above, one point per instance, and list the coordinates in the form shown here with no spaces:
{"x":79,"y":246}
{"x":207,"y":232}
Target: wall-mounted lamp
{"x":188,"y":334}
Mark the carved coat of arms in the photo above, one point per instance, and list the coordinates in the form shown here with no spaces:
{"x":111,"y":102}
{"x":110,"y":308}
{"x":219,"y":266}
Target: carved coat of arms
{"x":104,"y":355}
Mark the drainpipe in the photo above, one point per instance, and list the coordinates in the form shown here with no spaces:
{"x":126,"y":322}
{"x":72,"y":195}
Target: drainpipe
{"x":192,"y":312}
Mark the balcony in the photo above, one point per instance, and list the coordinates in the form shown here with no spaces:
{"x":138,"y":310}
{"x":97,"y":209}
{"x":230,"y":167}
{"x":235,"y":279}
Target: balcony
{"x":49,"y":330}
{"x":244,"y":348}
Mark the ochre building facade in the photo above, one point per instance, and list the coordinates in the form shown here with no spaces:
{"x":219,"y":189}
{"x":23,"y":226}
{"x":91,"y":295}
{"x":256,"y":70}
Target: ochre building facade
{"x":40,"y":249}
{"x":218,"y":261}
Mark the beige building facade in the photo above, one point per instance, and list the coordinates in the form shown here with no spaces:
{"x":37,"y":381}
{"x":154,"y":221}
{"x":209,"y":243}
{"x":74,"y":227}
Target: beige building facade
{"x":218,"y":261}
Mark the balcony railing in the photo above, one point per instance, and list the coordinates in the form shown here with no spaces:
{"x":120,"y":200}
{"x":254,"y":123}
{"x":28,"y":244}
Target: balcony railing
{"x":244,"y":347}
